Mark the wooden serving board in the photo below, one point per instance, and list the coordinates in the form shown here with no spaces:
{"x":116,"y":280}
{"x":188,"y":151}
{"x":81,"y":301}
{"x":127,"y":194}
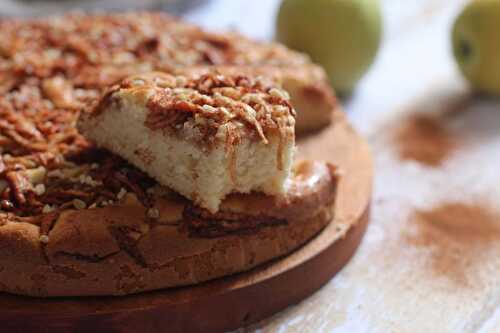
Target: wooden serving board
{"x":234,"y":301}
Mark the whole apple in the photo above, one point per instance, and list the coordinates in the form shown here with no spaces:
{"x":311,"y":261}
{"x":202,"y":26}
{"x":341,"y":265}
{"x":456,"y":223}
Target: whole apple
{"x":476,"y":45}
{"x":341,"y":35}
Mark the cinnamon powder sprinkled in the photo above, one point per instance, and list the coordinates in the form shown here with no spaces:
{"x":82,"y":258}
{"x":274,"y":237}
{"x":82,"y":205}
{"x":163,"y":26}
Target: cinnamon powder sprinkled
{"x":457,"y":235}
{"x":425,"y":139}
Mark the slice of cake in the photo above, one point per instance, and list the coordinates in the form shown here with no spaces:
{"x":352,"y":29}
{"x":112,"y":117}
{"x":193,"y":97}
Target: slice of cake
{"x":204,"y":136}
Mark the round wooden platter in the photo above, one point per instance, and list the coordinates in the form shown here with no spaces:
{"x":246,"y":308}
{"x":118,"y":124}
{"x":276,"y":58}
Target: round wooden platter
{"x":234,"y":301}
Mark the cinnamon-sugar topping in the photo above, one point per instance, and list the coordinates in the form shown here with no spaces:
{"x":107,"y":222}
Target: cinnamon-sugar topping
{"x":209,"y":106}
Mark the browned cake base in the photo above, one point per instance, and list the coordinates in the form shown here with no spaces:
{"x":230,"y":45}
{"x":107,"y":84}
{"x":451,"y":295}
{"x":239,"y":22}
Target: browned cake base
{"x":233,"y":301}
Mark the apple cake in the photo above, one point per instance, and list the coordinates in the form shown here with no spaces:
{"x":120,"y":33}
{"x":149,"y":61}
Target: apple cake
{"x":78,"y":220}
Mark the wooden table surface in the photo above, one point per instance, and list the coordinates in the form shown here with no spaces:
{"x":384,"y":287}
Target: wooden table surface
{"x":409,"y":276}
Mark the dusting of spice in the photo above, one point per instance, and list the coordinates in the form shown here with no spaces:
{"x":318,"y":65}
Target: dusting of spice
{"x":425,"y":139}
{"x":457,"y":236}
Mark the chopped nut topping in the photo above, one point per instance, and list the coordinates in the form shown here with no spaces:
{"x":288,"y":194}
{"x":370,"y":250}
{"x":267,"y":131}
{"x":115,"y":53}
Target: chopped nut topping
{"x":153,"y":213}
{"x":60,"y":92}
{"x":88,"y":180}
{"x":279,"y":93}
{"x":47,"y":209}
{"x":121,"y":194}
{"x":37,"y":175}
{"x":79,"y":204}
{"x":107,"y":203}
{"x":39,"y":189}
{"x":44,"y":239}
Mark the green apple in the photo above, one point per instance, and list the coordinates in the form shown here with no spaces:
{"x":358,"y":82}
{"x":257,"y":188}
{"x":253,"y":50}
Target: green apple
{"x":341,"y":35}
{"x":476,"y":45}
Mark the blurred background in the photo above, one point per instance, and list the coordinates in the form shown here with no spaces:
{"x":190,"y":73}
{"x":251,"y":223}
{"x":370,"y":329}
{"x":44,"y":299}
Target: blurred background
{"x":43,"y":7}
